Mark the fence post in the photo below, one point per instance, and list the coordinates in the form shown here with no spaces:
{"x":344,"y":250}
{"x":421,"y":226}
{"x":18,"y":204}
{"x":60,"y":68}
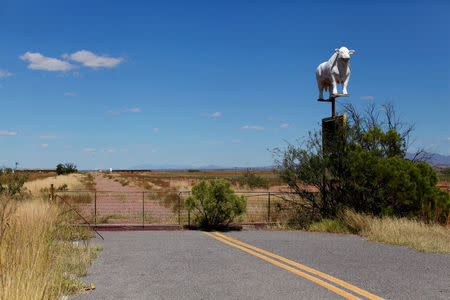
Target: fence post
{"x":95,"y":208}
{"x":143,"y":209}
{"x":179,"y":209}
{"x":268,"y":208}
{"x":52,"y":192}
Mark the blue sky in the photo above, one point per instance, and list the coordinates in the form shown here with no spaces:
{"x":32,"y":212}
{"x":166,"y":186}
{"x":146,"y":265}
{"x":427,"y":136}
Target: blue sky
{"x":123,"y":83}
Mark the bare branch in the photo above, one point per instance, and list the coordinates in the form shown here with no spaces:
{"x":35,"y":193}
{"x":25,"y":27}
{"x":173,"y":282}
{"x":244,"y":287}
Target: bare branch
{"x":422,"y":155}
{"x":372,"y":116}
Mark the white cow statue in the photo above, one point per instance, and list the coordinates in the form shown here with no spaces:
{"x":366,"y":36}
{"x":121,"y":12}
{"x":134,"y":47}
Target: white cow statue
{"x":335,"y":70}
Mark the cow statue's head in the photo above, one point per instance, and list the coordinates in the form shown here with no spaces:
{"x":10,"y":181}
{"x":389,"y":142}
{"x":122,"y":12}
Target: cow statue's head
{"x":343,"y":53}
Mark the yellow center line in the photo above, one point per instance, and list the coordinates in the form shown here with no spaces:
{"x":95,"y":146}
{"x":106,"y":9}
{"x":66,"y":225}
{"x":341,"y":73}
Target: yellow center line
{"x":286,"y":267}
{"x":306,"y":268}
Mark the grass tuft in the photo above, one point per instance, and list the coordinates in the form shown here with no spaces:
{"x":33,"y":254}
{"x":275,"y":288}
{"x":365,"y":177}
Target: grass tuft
{"x":329,"y":225}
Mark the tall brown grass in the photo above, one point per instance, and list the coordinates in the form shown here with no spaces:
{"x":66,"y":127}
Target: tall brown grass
{"x":414,"y":234}
{"x":397,"y":231}
{"x":38,"y":259}
{"x":73,"y":182}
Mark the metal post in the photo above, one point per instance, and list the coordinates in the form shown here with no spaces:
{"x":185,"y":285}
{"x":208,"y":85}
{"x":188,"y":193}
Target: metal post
{"x":268,"y":208}
{"x":189,"y":218}
{"x":52,"y":192}
{"x":143,"y":209}
{"x":333,"y":107}
{"x":95,"y":208}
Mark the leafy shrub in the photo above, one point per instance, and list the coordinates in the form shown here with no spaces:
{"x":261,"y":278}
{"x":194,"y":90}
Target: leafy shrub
{"x":11,"y":182}
{"x":67,"y":168}
{"x":215,"y":203}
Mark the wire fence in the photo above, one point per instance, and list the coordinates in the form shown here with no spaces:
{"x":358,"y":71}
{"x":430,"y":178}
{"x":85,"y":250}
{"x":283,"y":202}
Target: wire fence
{"x":166,"y":207}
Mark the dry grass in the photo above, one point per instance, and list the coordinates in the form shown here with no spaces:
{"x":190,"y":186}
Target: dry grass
{"x":88,"y":181}
{"x":73,"y":182}
{"x":39,"y":175}
{"x":416,"y":235}
{"x":396,"y":231}
{"x":38,"y":260}
{"x":183,"y":184}
{"x":329,"y":225}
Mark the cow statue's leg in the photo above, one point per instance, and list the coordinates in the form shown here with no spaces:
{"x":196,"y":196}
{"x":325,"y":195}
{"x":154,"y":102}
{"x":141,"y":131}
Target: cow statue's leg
{"x":333,"y":89}
{"x":345,"y":84}
{"x":320,"y":85}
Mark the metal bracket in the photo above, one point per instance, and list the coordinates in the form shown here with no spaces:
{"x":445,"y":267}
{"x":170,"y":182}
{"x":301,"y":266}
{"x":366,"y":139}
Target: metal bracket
{"x":332,"y":99}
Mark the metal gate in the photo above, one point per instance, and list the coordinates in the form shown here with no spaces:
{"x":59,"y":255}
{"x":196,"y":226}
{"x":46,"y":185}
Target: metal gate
{"x":126,"y":208}
{"x":166,"y":207}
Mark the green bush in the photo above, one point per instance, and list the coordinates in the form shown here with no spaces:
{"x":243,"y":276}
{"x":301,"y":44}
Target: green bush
{"x":67,"y":168}
{"x":215,"y":203}
{"x":11,"y":182}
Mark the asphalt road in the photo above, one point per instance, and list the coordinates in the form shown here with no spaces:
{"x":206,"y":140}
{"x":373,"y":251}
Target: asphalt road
{"x":193,"y":265}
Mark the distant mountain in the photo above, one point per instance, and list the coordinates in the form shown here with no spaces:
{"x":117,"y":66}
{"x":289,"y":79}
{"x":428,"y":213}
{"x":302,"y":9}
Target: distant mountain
{"x":160,"y":167}
{"x":201,"y":168}
{"x":436,"y":159}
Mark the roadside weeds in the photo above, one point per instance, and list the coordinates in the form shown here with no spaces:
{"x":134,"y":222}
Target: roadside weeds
{"x":39,"y":259}
{"x":432,"y":238}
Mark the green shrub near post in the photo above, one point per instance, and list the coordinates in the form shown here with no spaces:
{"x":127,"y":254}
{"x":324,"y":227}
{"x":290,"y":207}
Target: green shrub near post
{"x":215,"y":203}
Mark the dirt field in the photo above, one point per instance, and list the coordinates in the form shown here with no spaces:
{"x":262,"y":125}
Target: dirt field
{"x":183,"y":181}
{"x":114,"y":203}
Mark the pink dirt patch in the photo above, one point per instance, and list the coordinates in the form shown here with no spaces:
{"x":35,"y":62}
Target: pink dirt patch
{"x":108,"y":185}
{"x":114,"y":203}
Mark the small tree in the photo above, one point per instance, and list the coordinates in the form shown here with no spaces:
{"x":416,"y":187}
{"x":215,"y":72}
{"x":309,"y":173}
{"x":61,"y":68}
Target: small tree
{"x":215,"y":203}
{"x":67,"y":168}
